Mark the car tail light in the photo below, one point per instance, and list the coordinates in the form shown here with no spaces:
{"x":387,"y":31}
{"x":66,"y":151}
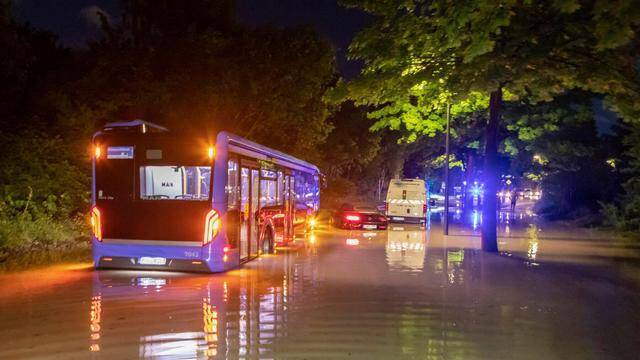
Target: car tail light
{"x":96,"y":223}
{"x":212,"y":225}
{"x":382,"y":219}
{"x":352,"y":217}
{"x":424,"y":208}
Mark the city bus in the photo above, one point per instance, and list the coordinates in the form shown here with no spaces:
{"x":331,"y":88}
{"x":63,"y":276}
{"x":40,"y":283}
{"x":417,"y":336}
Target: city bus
{"x":168,"y":202}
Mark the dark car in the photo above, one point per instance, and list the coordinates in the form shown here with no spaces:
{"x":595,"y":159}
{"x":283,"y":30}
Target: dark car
{"x":350,"y":217}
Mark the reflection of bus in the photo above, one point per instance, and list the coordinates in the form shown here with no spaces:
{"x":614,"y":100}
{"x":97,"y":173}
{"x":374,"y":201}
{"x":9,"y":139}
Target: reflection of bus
{"x":165,"y":202}
{"x":188,"y":317}
{"x":406,"y":201}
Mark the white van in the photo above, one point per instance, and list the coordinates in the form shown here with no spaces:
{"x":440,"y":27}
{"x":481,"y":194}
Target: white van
{"x":406,"y":201}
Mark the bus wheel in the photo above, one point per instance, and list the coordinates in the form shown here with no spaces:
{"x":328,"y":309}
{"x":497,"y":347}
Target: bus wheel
{"x":267,"y":243}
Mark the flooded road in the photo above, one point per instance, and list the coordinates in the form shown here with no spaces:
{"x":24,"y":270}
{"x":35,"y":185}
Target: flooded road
{"x":403,"y":293}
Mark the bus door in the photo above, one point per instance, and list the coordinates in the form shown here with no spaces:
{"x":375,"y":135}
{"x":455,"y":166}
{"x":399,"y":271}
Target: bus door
{"x":293,"y":212}
{"x":254,"y":208}
{"x":288,"y":219}
{"x":245,"y":217}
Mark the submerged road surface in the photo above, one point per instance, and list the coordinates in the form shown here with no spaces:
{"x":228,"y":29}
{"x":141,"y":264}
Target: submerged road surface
{"x":402,"y":293}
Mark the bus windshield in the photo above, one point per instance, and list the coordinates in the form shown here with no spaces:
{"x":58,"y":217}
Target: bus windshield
{"x":175,"y":182}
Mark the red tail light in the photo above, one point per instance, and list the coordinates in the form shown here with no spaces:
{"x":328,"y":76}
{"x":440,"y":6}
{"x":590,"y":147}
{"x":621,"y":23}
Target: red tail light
{"x":96,"y":223}
{"x":424,"y":208}
{"x":352,"y":217}
{"x":212,"y":225}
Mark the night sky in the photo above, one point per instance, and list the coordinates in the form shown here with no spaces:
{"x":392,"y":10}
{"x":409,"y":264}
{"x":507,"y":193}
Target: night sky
{"x":75,"y":22}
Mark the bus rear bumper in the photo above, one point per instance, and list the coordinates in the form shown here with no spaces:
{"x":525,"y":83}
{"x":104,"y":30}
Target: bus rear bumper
{"x":154,"y":257}
{"x":406,"y":219}
{"x":122,"y":262}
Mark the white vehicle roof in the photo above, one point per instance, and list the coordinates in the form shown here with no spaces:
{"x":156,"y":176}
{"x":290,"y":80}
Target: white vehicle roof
{"x":406,"y":189}
{"x":406,"y":183}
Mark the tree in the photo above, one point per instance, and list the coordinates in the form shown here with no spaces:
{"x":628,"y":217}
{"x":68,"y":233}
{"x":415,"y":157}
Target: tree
{"x":194,"y":69}
{"x":557,"y":144}
{"x":350,"y":146}
{"x":40,"y":173}
{"x":457,"y":50}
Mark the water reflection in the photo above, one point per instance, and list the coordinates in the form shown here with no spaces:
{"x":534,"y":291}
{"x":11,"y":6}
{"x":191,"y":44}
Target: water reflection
{"x":472,"y":217}
{"x":402,"y":293}
{"x":455,"y":269}
{"x":94,"y":322}
{"x":475,"y":219}
{"x":405,"y":249}
{"x":532,"y":244}
{"x":239,"y":314}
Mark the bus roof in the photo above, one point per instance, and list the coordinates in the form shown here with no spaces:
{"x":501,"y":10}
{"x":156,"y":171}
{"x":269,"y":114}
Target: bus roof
{"x":240,"y":143}
{"x":144,"y":126}
{"x":144,"y":129}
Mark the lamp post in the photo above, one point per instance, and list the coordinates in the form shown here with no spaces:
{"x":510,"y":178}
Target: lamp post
{"x":446,"y":174}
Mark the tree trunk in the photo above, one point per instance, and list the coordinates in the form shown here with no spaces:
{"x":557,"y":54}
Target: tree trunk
{"x":489,"y":210}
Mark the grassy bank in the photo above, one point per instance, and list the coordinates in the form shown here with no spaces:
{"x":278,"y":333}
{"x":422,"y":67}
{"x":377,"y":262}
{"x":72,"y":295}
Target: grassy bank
{"x":26,"y":243}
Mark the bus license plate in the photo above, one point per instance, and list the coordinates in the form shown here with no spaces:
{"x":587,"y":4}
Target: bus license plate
{"x":369,"y":227}
{"x":146,"y":260}
{"x":397,"y":218}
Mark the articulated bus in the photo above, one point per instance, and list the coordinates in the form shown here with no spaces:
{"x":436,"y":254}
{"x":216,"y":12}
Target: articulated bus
{"x":166,"y":202}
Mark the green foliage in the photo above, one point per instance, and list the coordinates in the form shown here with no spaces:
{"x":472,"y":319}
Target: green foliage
{"x":193,"y":69}
{"x":22,"y":235}
{"x":438,"y":162}
{"x":28,"y":242}
{"x":39,"y":178}
{"x":450,"y":51}
{"x":556,"y":145}
{"x":624,"y":212}
{"x":350,"y":147}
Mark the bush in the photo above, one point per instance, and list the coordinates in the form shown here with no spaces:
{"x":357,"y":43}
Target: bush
{"x":43,"y":199}
{"x":41,"y":176}
{"x":624,"y":218}
{"x":25,"y":242}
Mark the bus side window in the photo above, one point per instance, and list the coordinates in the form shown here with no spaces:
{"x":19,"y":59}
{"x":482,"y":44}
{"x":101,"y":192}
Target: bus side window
{"x":299,"y":188}
{"x":305,"y":190}
{"x":232,"y":185}
{"x":315,"y":185}
{"x":233,"y":212}
{"x":280,"y":191}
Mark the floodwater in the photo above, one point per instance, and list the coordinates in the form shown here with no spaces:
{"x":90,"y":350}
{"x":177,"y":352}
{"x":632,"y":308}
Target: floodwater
{"x":402,"y":293}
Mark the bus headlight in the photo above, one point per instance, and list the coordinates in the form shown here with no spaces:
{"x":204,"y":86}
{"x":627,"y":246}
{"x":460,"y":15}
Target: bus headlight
{"x":96,"y":223}
{"x":212,"y":225}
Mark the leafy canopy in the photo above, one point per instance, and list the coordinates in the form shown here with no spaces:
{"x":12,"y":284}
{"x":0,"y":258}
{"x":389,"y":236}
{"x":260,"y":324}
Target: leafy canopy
{"x":419,"y":55}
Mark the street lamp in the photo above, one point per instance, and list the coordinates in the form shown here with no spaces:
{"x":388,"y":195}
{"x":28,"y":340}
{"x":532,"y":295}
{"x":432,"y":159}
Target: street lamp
{"x":446,"y":174}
